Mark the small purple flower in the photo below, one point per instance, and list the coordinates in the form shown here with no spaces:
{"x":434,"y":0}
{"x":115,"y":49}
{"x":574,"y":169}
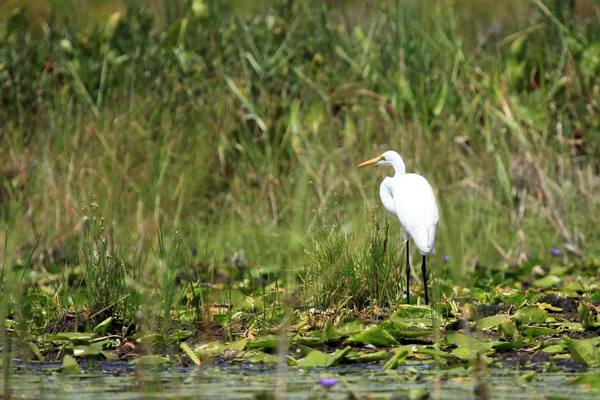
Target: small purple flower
{"x":555,"y":252}
{"x":194,"y":251}
{"x":446,"y":258}
{"x":328,"y":382}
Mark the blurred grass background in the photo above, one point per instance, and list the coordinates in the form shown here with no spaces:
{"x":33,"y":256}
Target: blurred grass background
{"x":237,"y":128}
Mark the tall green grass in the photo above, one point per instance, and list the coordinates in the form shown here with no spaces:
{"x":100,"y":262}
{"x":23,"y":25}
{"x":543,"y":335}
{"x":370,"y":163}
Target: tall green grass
{"x":229,"y":128}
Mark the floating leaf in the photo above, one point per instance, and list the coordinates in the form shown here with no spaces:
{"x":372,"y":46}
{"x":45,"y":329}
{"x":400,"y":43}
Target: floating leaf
{"x":70,"y":366}
{"x":547,"y":281}
{"x":89,"y":351}
{"x":370,"y":357}
{"x":396,"y":360}
{"x":35,"y":350}
{"x":267,"y":342}
{"x":315,"y":358}
{"x":375,"y":335}
{"x":410,"y":315}
{"x":260,"y":357}
{"x":504,"y":346}
{"x":507,"y":330}
{"x":584,"y":351}
{"x":338,"y":355}
{"x":151,"y":361}
{"x":211,"y":348}
{"x":531,"y":315}
{"x":555,"y":348}
{"x":529,"y":376}
{"x":188,"y":352}
{"x":587,"y":317}
{"x":74,"y":337}
{"x":349,"y":327}
{"x":491,"y":322}
{"x":537,"y":330}
{"x":593,"y":381}
{"x":238,"y":345}
{"x":102,"y":327}
{"x":181,"y":334}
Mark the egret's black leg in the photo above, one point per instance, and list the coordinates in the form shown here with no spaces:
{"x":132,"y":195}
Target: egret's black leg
{"x":424,"y":270}
{"x":407,"y":274}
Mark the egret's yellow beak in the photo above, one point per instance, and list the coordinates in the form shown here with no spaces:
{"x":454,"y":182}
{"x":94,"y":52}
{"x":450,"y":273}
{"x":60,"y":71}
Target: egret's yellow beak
{"x":370,"y":162}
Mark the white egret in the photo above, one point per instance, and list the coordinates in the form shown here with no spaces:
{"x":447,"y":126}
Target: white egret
{"x":410,"y":198}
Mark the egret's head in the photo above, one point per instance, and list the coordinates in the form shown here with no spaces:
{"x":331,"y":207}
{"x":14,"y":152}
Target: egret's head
{"x":387,"y":158}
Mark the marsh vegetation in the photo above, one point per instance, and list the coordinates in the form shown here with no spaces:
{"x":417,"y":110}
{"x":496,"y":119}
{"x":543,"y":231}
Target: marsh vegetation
{"x":179,"y":185}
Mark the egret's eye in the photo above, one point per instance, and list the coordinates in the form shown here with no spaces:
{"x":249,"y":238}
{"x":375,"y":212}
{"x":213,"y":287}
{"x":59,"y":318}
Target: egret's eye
{"x":382,"y":158}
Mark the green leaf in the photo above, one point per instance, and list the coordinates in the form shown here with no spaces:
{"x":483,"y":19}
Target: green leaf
{"x":151,"y":361}
{"x":370,"y":357}
{"x":74,"y":337}
{"x":238,"y":345}
{"x":349,"y":327}
{"x":593,"y":381}
{"x":93,"y":351}
{"x":491,"y":322}
{"x":410,"y":315}
{"x":180,"y":334}
{"x":211,"y":348}
{"x":547,"y":281}
{"x":315,"y":358}
{"x":537,"y":330}
{"x":338,"y":355}
{"x":584,"y":351}
{"x":188,"y":352}
{"x":267,"y":342}
{"x":102,"y":327}
{"x":555,"y":348}
{"x":260,"y":357}
{"x":504,"y":346}
{"x":35,"y":351}
{"x":70,"y":366}
{"x":396,"y":360}
{"x":507,"y":330}
{"x":528,"y":377}
{"x":587,"y":317}
{"x":531,"y":315}
{"x":375,"y":335}
{"x":330,"y":333}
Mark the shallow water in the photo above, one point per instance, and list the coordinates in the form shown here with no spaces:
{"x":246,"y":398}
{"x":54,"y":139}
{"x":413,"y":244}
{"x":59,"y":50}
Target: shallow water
{"x":117,"y":381}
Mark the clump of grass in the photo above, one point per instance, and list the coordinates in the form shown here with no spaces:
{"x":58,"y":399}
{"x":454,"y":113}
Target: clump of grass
{"x":104,"y":271}
{"x":352,"y":265}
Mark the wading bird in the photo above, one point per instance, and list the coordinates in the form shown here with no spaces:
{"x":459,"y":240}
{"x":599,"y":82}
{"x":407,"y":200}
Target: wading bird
{"x":410,"y":198}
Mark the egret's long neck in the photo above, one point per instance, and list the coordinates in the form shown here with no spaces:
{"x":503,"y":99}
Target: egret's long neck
{"x":399,"y":167}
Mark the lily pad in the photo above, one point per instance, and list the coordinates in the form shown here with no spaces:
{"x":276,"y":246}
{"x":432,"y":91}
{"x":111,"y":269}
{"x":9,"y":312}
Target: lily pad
{"x":75,"y":338}
{"x":151,"y":361}
{"x":547,"y":281}
{"x":537,"y":330}
{"x":188,"y":352}
{"x":507,"y":330}
{"x":338,"y":356}
{"x":396,"y":360}
{"x":584,"y":351}
{"x":103,"y":326}
{"x":369,"y":357}
{"x":491,"y":322}
{"x":349,"y":327}
{"x":70,"y":366}
{"x":267,"y":342}
{"x":531,"y":315}
{"x":375,"y":335}
{"x":413,"y":316}
{"x":315,"y":358}
{"x":589,"y":320}
{"x":181,"y":334}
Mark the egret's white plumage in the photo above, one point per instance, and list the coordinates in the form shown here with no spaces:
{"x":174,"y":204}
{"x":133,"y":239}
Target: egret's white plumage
{"x":410,"y":198}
